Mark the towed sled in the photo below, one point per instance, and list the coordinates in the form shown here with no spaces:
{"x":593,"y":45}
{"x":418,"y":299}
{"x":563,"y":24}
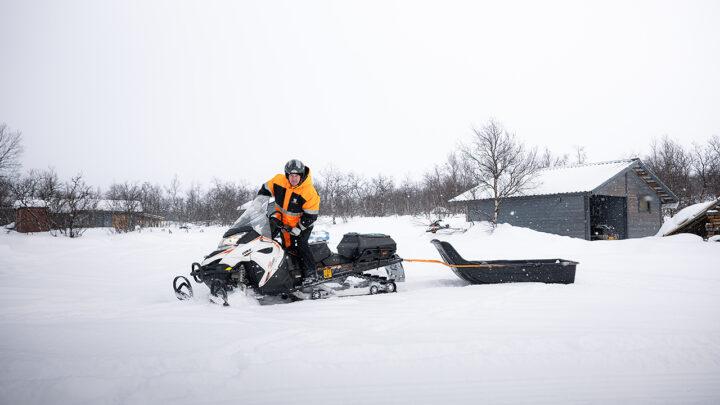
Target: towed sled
{"x":249,"y":259}
{"x":559,"y":271}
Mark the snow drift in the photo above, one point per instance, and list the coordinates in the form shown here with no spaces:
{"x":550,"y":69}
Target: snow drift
{"x":94,"y":321}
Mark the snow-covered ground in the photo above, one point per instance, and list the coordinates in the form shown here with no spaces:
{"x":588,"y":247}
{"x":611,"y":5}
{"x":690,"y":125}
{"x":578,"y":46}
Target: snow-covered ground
{"x":94,"y":321}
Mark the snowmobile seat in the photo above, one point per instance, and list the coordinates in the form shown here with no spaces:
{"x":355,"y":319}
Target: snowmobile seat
{"x":320,"y":251}
{"x":335,"y":259}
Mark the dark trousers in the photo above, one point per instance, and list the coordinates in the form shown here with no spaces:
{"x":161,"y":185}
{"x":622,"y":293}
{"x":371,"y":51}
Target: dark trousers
{"x":300,"y":247}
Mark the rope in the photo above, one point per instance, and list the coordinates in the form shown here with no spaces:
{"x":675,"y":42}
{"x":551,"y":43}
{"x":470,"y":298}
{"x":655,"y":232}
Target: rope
{"x":489,"y":266}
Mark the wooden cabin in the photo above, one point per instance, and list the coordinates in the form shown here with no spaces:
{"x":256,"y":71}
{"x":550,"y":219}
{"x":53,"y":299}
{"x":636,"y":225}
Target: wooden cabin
{"x":609,"y":200}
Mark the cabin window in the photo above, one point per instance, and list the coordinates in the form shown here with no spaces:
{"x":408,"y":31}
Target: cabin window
{"x":644,"y":203}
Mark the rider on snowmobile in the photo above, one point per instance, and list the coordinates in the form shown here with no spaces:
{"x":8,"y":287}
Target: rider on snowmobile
{"x":297,"y":204}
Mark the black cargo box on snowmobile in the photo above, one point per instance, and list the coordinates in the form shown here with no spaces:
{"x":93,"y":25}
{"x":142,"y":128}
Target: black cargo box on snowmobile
{"x":558,"y":271}
{"x":366,"y":247}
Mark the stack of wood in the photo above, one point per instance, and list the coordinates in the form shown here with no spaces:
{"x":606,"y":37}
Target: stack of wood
{"x":712,"y":226}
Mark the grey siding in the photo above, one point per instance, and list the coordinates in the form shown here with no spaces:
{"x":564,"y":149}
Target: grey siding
{"x":639,"y":223}
{"x":559,"y":214}
{"x":569,"y":214}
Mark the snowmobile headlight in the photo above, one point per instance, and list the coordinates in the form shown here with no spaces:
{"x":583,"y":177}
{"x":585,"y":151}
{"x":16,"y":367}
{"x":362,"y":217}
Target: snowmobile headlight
{"x":231,"y":240}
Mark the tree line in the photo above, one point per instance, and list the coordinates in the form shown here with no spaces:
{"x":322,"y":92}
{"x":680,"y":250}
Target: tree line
{"x":491,"y":157}
{"x":692,"y":173}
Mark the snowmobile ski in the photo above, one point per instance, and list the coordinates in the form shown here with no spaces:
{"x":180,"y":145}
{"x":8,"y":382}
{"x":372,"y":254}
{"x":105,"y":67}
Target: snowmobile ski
{"x":183,"y":288}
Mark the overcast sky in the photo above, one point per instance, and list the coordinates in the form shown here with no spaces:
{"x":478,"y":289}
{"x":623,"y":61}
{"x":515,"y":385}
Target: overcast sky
{"x":143,"y":90}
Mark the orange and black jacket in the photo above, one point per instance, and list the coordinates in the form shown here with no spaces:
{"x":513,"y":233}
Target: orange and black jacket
{"x":296,"y":206}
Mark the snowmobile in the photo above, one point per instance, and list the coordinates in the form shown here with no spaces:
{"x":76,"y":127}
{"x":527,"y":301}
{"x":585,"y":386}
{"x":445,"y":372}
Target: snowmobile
{"x":251,"y":258}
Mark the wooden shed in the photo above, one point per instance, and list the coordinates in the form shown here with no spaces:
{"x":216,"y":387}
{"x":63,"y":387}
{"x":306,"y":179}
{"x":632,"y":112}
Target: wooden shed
{"x":32,"y":219}
{"x":701,"y":219}
{"x":35,"y":216}
{"x":609,"y":200}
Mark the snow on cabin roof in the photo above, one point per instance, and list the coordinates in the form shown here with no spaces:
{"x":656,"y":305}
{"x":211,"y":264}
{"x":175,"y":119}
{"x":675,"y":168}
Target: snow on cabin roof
{"x":32,"y":203}
{"x":119,"y":205}
{"x":561,"y":180}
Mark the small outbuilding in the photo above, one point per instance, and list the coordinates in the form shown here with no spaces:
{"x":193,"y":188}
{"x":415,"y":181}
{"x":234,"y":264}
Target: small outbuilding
{"x":121,"y":215}
{"x":610,"y":200}
{"x":32,"y":219}
{"x":702,"y":219}
{"x":39,"y":216}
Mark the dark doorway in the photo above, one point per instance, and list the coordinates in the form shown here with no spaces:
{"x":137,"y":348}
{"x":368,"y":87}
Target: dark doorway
{"x":608,"y":217}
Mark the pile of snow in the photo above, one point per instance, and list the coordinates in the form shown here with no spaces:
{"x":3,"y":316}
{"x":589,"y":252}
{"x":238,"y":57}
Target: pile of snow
{"x":94,"y":320}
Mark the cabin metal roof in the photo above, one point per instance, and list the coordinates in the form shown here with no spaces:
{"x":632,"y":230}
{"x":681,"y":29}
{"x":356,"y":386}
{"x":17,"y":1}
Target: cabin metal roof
{"x":580,"y":179}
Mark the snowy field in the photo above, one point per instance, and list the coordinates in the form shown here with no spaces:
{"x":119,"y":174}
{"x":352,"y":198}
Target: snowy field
{"x":95,"y":321}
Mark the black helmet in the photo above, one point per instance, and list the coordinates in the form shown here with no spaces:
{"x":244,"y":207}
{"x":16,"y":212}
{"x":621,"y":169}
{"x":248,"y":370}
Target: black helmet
{"x":294,"y":167}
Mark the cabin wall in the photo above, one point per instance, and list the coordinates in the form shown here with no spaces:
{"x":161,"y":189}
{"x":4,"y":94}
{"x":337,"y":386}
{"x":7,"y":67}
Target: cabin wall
{"x":559,"y":214}
{"x":32,"y":219}
{"x":642,"y":219}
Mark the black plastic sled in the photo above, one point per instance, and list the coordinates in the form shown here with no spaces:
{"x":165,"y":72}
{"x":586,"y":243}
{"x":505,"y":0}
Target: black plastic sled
{"x":556,"y":271}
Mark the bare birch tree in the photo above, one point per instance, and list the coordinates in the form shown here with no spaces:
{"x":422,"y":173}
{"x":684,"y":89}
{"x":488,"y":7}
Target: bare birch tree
{"x":673,"y":165}
{"x":175,"y":201}
{"x":39,"y":189}
{"x":580,"y":155}
{"x":222,"y":201}
{"x":333,"y":190}
{"x":7,"y":214}
{"x":193,"y":210}
{"x":10,"y":149}
{"x":502,"y":166}
{"x":151,"y":199}
{"x":407,"y":200}
{"x":126,"y":200}
{"x":76,"y":202}
{"x":443,"y":182}
{"x":548,"y":160}
{"x":357,"y":196}
{"x":713,"y":158}
{"x":381,"y":189}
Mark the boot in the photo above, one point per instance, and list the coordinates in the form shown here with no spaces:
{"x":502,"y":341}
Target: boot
{"x":308,"y":280}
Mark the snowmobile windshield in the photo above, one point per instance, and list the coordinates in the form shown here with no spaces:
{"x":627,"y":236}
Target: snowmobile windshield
{"x":255,"y":217}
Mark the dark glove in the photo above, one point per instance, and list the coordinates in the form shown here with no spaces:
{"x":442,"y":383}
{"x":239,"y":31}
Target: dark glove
{"x":275,"y":222}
